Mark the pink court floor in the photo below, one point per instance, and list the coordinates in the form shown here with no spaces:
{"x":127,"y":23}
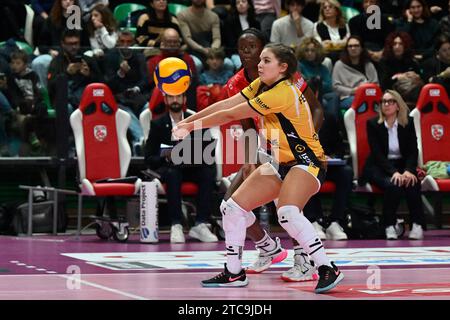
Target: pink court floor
{"x":67,"y":268}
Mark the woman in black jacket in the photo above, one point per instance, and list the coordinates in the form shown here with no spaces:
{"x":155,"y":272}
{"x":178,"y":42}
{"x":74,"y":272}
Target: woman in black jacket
{"x":240,"y":18}
{"x":392,"y":163}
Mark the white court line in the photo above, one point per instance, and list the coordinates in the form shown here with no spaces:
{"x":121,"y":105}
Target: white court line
{"x":98,"y":286}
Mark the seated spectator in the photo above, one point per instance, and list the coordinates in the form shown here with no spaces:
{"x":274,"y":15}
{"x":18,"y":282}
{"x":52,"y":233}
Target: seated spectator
{"x":127,"y":77}
{"x":151,"y":25}
{"x":342,"y":176}
{"x":266,"y":12}
{"x":372,"y":38}
{"x":437,"y":68}
{"x":79,"y":69}
{"x":102,"y":29}
{"x":42,"y":7}
{"x":87,"y":6}
{"x":331,"y":29}
{"x":392,"y":163}
{"x":292,"y":28}
{"x":200,"y":28}
{"x":445,"y":23}
{"x":170,"y":47}
{"x":354,"y":68}
{"x":13,"y":15}
{"x":423,"y":29}
{"x":310,"y":57}
{"x":173,"y":175}
{"x":25,"y":97}
{"x":240,"y":18}
{"x":312,"y":10}
{"x":51,"y":35}
{"x":216,"y":73}
{"x":398,"y":70}
{"x":5,"y":107}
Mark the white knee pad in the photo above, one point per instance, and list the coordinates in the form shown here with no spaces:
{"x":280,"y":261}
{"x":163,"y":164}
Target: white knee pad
{"x":250,"y":217}
{"x":291,"y":219}
{"x":234,"y":222}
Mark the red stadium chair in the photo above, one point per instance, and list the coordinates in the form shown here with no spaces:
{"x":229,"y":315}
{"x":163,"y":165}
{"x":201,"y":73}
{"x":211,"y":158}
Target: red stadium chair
{"x":367,"y":98}
{"x":103,"y":152}
{"x":432,"y":124}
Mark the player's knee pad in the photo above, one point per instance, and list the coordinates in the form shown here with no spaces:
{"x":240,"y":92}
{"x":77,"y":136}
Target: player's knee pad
{"x":234,"y":222}
{"x":250,"y":217}
{"x":290,"y":218}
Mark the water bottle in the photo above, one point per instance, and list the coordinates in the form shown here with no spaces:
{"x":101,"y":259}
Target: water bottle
{"x":129,"y":20}
{"x":264,"y":218}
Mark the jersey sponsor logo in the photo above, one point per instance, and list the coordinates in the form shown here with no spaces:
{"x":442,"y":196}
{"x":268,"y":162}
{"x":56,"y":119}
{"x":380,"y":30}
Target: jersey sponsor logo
{"x":292,"y":135}
{"x":261,"y":104}
{"x":299,"y":148}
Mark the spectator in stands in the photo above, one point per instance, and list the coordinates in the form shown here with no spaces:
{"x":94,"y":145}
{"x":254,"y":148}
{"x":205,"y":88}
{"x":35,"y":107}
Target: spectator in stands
{"x":292,"y":28}
{"x":353,"y":68}
{"x":79,"y":69}
{"x":25,"y":96}
{"x":310,"y":55}
{"x":437,"y":68}
{"x":372,"y":37}
{"x":42,"y":7}
{"x":170,"y":47}
{"x":341,"y":176}
{"x":6,"y":111}
{"x":423,"y":29}
{"x":13,"y":16}
{"x":398,"y":70}
{"x":151,"y":25}
{"x":102,"y":29}
{"x":126,"y":75}
{"x":87,"y":6}
{"x":240,"y":17}
{"x":200,"y":28}
{"x":392,"y":163}
{"x":445,"y":23}
{"x":311,"y":10}
{"x":161,"y":160}
{"x":51,"y":35}
{"x":216,"y":73}
{"x":267,"y":12}
{"x":331,"y":29}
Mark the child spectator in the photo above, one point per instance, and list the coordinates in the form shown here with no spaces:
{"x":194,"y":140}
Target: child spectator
{"x":25,"y":96}
{"x":216,"y":73}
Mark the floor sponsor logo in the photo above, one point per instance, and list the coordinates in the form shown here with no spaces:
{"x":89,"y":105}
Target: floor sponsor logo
{"x":214,"y":259}
{"x":411,"y":290}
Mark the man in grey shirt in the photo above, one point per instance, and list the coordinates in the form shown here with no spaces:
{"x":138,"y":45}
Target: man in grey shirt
{"x":200,"y":28}
{"x":292,"y":28}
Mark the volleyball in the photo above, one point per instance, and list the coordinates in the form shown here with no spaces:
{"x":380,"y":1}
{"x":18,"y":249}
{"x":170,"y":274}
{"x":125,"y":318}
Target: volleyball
{"x":172,"y":76}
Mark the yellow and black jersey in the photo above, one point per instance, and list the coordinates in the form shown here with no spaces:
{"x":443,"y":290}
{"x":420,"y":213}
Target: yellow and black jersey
{"x":287,"y":121}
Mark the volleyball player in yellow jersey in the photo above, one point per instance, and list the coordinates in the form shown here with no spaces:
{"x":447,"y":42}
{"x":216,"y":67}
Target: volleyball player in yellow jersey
{"x":295,"y":174}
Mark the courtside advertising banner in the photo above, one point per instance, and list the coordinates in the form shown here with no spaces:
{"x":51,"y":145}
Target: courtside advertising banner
{"x":149,"y":212}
